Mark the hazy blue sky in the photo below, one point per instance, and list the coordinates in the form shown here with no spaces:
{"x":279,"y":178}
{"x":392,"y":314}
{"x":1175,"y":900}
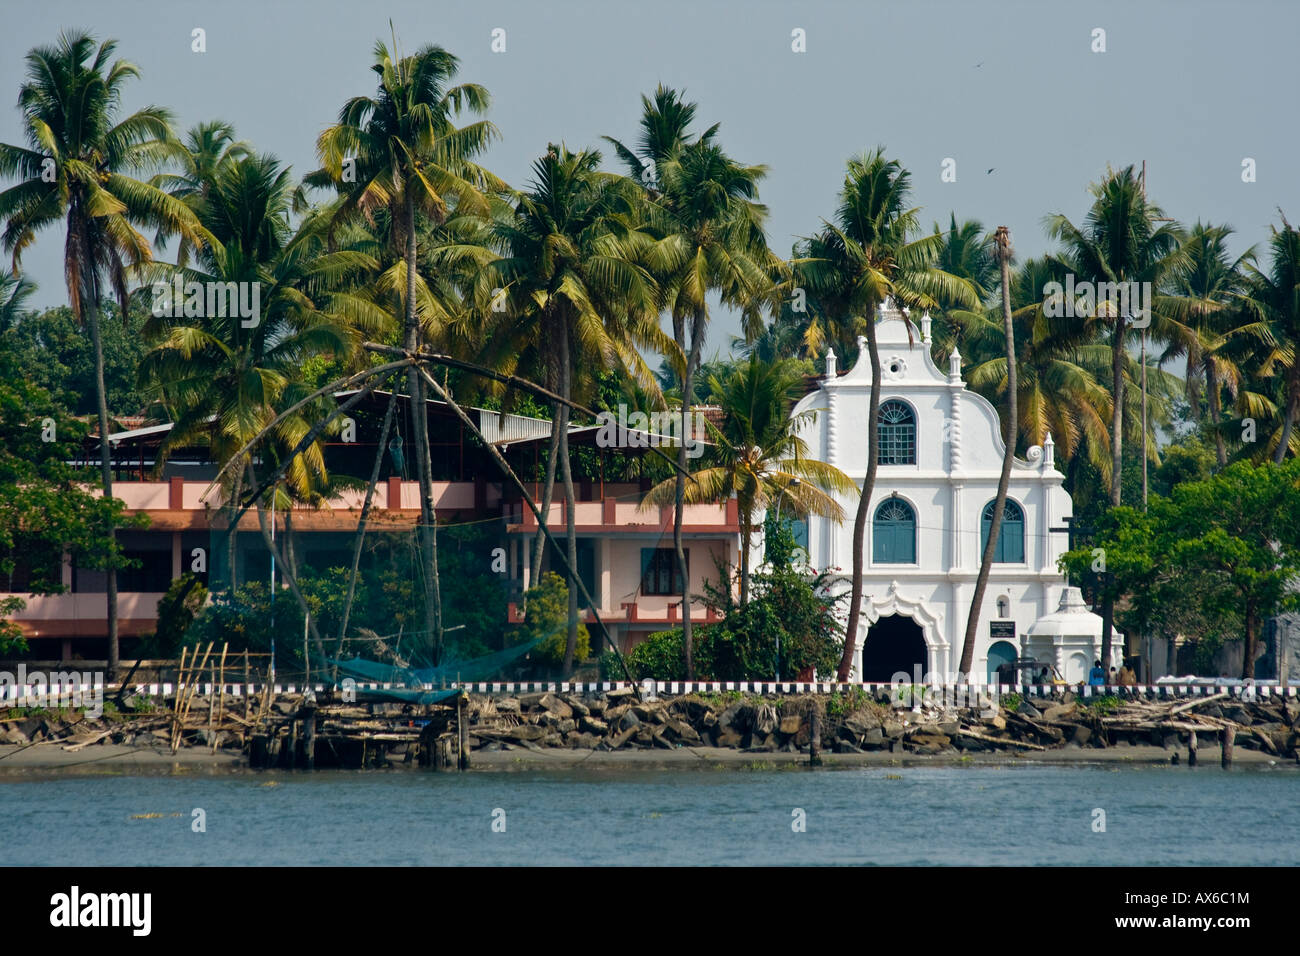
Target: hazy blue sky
{"x":1191,"y":87}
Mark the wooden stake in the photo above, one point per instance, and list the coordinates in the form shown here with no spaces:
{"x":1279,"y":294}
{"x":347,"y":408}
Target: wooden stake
{"x":247,"y":702}
{"x":176,"y":698}
{"x":221,"y":693}
{"x":1228,"y":736}
{"x":462,"y":712}
{"x":815,"y":739}
{"x":309,"y":736}
{"x":1191,"y":749}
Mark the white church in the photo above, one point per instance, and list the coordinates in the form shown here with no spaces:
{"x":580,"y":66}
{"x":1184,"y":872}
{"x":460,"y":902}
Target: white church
{"x":940,"y":457}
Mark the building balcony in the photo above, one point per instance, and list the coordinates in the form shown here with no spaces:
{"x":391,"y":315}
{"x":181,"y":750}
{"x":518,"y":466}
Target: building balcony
{"x":645,"y":610}
{"x":615,"y":515}
{"x":180,"y":505}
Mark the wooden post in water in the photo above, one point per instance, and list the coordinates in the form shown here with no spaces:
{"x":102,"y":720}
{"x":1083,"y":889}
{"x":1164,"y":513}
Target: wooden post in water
{"x":815,"y":738}
{"x":293,"y":743}
{"x":1229,"y":735}
{"x":1191,"y":748}
{"x":309,"y":734}
{"x":462,"y":715}
{"x":247,"y":702}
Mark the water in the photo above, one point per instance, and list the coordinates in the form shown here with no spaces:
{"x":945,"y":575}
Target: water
{"x":925,"y":815}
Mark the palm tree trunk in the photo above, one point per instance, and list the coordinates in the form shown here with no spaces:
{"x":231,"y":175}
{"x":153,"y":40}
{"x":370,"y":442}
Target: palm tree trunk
{"x":291,"y":580}
{"x":1008,"y":456}
{"x":679,"y":490}
{"x":559,"y":425}
{"x":423,"y":454}
{"x":559,"y":416}
{"x":746,"y":537}
{"x":864,"y":507}
{"x":1288,"y":421}
{"x":1216,"y":411}
{"x":361,"y":526}
{"x":571,"y":538}
{"x":232,"y":531}
{"x":1116,"y":468}
{"x":1117,"y":411}
{"x":91,"y":305}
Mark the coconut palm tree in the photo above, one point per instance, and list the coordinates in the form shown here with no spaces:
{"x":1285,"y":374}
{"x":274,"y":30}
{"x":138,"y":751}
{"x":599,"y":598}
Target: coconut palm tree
{"x":759,"y":457}
{"x":1274,"y":298}
{"x":224,"y":377}
{"x":75,"y":172}
{"x":1123,"y":239}
{"x":869,"y":253}
{"x":575,"y":297}
{"x":1208,"y":289}
{"x":401,"y":153}
{"x":1010,"y":420}
{"x":702,"y":207}
{"x":1060,"y":369}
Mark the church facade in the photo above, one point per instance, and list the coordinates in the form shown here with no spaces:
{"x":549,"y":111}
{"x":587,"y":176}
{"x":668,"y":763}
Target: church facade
{"x":940,"y":449}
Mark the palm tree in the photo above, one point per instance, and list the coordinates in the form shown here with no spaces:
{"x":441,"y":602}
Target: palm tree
{"x":1003,"y":240}
{"x":703,"y":209}
{"x":224,"y":381}
{"x":966,"y":252}
{"x":868,"y":254}
{"x":760,"y":457}
{"x":1209,"y":288}
{"x":1059,"y":369}
{"x":400,"y":152}
{"x":576,"y":299}
{"x":74,"y":172}
{"x":1274,"y":298}
{"x":1123,"y":239}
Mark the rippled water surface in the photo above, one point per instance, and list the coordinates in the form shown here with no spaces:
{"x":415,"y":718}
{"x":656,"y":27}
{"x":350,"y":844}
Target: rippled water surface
{"x":975,"y":815}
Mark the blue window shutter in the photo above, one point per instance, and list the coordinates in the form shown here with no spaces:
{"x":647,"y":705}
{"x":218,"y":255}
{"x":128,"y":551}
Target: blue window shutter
{"x":1011,"y":535}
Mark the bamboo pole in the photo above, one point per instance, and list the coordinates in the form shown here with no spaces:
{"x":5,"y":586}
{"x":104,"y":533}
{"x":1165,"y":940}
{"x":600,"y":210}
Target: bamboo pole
{"x":190,"y":691}
{"x":221,"y":693}
{"x":176,"y":697}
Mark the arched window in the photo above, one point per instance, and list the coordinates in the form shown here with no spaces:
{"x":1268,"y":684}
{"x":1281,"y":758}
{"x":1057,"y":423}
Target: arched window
{"x":1011,"y":536}
{"x":897,"y":429}
{"x":893,"y":533}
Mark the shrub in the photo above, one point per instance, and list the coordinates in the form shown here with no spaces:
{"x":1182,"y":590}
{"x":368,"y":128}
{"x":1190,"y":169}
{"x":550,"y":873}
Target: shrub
{"x":547,"y":619}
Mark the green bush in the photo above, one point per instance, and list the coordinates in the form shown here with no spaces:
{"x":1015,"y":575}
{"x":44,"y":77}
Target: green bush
{"x":547,"y":619}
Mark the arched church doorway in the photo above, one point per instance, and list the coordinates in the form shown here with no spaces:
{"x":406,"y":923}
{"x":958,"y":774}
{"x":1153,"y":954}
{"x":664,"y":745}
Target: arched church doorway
{"x":894,"y":643}
{"x":1001,"y":652}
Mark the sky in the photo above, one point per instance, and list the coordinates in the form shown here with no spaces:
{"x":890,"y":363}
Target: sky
{"x":1014,"y":94}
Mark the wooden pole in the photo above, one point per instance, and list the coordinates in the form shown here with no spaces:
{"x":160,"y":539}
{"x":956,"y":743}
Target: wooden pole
{"x":309,"y":735}
{"x":176,"y":698}
{"x":1228,"y":737}
{"x":1191,"y":748}
{"x":212,"y":699}
{"x":221,"y":693}
{"x":462,"y":713}
{"x":815,"y":738}
{"x":248,"y":704}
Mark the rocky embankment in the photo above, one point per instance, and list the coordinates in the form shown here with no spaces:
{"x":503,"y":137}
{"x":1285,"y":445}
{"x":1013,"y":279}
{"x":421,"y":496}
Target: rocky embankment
{"x":858,"y":724}
{"x":389,"y":732}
